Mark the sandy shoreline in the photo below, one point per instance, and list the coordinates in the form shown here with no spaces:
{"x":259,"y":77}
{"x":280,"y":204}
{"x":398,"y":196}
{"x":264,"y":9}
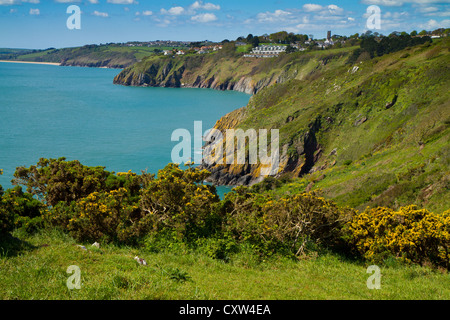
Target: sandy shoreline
{"x":32,"y":62}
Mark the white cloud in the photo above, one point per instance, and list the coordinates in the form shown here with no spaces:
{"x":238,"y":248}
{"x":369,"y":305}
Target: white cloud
{"x":204,"y":17}
{"x":13,"y":2}
{"x":93,"y":1}
{"x":35,"y":12}
{"x":144,"y":13}
{"x":310,"y":7}
{"x":174,"y":11}
{"x":397,"y":3}
{"x":277,"y":15}
{"x":100,"y":14}
{"x":427,"y":9}
{"x":122,"y":1}
{"x":204,"y":6}
{"x":433,"y":24}
{"x":334,"y":9}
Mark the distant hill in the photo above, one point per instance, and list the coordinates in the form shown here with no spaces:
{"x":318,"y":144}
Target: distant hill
{"x":108,"y":55}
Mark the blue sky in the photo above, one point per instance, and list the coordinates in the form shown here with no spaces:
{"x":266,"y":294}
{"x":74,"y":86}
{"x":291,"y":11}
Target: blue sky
{"x":42,"y":23}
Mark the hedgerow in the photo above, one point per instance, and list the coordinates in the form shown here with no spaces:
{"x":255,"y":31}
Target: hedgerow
{"x":175,"y":209}
{"x":410,"y":234}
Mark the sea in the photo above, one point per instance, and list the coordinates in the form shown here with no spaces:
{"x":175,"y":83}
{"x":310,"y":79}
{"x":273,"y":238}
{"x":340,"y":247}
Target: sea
{"x":49,"y":111}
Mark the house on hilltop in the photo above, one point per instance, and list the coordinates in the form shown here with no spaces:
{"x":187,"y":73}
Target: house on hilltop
{"x":266,"y":51}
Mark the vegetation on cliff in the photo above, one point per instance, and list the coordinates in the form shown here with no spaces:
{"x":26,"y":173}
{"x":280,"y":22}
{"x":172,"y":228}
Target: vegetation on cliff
{"x":374,"y":133}
{"x":92,"y":204}
{"x":371,"y":133}
{"x":368,"y":125}
{"x":364,"y":179}
{"x":107,"y":55}
{"x":226,"y":69}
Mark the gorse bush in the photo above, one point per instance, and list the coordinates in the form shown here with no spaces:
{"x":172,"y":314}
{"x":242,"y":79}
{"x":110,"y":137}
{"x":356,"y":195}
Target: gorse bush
{"x":56,"y":180}
{"x":19,"y":210}
{"x":292,"y":224}
{"x":132,"y":206}
{"x":175,"y":210}
{"x":410,"y":234}
{"x":6,"y":218}
{"x":25,"y":211}
{"x":106,"y":216}
{"x":178,"y":201}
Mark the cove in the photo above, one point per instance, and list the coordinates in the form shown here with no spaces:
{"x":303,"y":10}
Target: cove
{"x":78,"y":113}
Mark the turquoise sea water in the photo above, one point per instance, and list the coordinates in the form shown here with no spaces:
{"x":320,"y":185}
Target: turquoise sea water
{"x":78,"y":113}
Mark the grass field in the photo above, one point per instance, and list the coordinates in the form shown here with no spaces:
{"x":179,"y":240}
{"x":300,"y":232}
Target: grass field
{"x":34,"y":267}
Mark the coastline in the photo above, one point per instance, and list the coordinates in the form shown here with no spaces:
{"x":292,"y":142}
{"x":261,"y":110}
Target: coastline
{"x":32,"y":62}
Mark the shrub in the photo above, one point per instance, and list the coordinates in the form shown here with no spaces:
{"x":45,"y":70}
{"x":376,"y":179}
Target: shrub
{"x":58,"y":180}
{"x":20,"y":210}
{"x":410,"y":234}
{"x":106,"y":216}
{"x":178,"y":201}
{"x":6,"y":219}
{"x":292,"y":224}
{"x":218,"y":248}
{"x":347,"y":162}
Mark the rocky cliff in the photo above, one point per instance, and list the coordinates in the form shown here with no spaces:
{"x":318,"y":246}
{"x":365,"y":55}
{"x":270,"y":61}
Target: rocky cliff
{"x":369,"y":132}
{"x":245,"y":75}
{"x":221,"y":71}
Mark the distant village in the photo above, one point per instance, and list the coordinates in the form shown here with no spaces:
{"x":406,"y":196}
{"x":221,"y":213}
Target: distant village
{"x":269,"y":46}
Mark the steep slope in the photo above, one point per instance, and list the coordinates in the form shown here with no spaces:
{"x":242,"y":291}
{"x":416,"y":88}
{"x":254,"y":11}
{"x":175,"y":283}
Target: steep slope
{"x":372,"y":133}
{"x":223,"y":70}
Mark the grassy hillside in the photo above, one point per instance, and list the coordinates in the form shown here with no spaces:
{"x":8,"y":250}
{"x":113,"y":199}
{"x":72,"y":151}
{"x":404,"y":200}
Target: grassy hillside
{"x":226,"y":69}
{"x":371,"y":133}
{"x":366,"y":131}
{"x":35,"y":268}
{"x":360,"y":131}
{"x":112,"y":56}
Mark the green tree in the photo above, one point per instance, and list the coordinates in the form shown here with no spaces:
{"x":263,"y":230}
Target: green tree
{"x":55,"y":180}
{"x":279,"y":37}
{"x":1,"y":188}
{"x":255,"y":42}
{"x":178,"y":201}
{"x":290,"y":49}
{"x":413,"y":33}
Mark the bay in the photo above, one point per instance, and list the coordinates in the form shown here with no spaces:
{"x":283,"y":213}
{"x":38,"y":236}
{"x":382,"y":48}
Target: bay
{"x":78,"y":113}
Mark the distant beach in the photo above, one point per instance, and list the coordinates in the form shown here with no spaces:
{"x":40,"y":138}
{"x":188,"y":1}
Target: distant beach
{"x":48,"y":63}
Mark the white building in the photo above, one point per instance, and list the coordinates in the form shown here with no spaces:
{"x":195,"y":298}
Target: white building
{"x":266,"y":51}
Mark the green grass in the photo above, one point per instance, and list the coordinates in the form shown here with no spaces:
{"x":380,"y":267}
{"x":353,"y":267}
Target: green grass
{"x":372,"y":157}
{"x":34,"y":267}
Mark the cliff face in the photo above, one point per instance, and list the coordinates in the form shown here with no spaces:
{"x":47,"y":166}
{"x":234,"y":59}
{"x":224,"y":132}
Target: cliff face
{"x":169,"y":73}
{"x":372,"y":133}
{"x":220,"y":71}
{"x":251,"y":76}
{"x":296,"y":157}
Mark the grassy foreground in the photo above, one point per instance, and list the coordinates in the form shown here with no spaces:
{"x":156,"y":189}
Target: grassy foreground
{"x":34,"y":267}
